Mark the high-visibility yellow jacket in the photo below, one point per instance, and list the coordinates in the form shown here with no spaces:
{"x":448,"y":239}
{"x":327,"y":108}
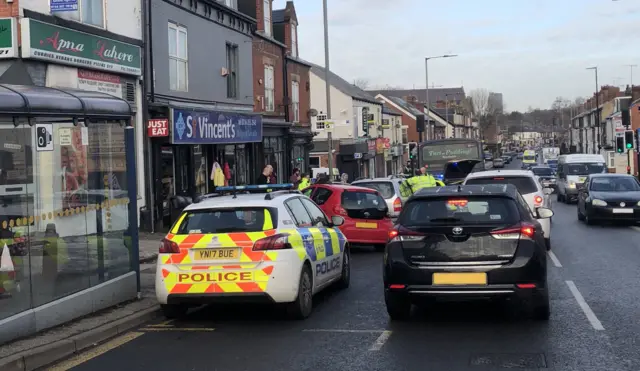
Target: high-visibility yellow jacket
{"x":412,"y":185}
{"x":304,"y":183}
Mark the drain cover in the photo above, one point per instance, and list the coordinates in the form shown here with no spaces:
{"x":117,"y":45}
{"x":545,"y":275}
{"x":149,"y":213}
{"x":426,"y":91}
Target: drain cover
{"x":510,"y":360}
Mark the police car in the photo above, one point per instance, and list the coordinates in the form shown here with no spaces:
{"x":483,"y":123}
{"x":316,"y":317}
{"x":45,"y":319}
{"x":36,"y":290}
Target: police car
{"x":261,"y":243}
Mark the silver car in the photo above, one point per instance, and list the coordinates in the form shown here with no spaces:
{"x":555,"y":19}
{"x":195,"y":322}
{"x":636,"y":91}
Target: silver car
{"x":389,"y":189}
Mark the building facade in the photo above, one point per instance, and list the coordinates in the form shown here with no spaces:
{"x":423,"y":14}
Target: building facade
{"x":67,"y":180}
{"x":200,"y":86}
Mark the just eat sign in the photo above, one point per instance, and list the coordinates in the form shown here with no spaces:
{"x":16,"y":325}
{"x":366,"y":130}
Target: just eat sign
{"x":158,"y":128}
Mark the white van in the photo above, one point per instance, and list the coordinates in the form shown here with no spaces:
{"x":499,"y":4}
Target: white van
{"x":572,"y":172}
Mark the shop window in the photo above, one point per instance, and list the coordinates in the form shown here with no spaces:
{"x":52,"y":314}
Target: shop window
{"x":201,"y":167}
{"x":314,"y":162}
{"x":178,"y":58}
{"x":267,"y":17}
{"x":63,"y":212}
{"x":269,"y":89}
{"x":232,"y":70}
{"x":295,"y":100}
{"x":92,"y":12}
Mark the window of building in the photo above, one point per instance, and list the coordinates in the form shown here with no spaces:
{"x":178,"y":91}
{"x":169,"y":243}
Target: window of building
{"x":92,"y":12}
{"x":314,"y":161}
{"x":178,"y":58}
{"x":294,"y":40}
{"x":229,"y":3}
{"x":232,"y":67}
{"x":405,"y":136}
{"x":295,"y":100}
{"x":267,"y":17}
{"x":269,"y":89}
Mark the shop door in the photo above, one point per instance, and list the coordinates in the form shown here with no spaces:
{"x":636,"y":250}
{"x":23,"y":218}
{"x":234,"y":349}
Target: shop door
{"x":183,"y":170}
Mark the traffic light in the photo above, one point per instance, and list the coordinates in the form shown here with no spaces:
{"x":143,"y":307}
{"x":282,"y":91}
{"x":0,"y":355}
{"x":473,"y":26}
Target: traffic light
{"x":620,"y":144}
{"x":628,"y":139}
{"x":412,"y":149}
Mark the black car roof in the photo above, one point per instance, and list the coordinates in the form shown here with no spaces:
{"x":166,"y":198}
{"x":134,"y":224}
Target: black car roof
{"x":504,"y":190}
{"x":604,"y":175}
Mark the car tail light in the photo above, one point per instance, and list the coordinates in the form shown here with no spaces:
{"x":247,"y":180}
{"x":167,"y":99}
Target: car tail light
{"x":537,"y":200}
{"x":523,"y":231}
{"x":275,"y":242}
{"x":397,"y":205}
{"x":526,"y":285}
{"x":339,"y":210}
{"x":401,"y":233}
{"x":168,"y":247}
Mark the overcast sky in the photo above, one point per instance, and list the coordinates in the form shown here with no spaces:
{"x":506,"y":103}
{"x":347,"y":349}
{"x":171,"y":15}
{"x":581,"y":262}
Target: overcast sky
{"x":529,"y":50}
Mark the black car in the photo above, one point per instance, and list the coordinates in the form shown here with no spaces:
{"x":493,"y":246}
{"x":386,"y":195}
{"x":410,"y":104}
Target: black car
{"x":609,"y":197}
{"x":506,"y":159}
{"x":467,"y":242}
{"x":546,"y":174}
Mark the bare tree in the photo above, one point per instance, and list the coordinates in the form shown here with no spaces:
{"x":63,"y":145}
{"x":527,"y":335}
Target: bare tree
{"x":361,"y":83}
{"x":479,"y":102}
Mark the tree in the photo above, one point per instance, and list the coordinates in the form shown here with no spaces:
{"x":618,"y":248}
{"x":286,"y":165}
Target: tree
{"x":361,"y":83}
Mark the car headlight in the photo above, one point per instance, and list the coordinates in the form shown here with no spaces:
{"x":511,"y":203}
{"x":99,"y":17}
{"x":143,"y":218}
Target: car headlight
{"x":638,"y":204}
{"x":598,"y":203}
{"x":572,"y":184}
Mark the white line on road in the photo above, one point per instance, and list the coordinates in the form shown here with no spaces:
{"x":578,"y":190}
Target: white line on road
{"x":595,"y":322}
{"x":637,"y":229}
{"x":555,"y":260}
{"x":380,"y":341}
{"x":341,"y":330}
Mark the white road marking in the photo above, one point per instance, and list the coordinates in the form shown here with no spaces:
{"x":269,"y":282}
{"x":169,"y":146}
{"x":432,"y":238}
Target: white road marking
{"x":635,"y":228}
{"x":554,"y":259}
{"x":341,"y":330}
{"x":380,"y":341}
{"x":595,"y":322}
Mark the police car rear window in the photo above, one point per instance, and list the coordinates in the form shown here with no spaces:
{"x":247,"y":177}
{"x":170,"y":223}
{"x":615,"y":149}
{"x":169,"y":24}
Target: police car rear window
{"x":524,"y":184}
{"x":227,"y":220}
{"x":477,"y":210}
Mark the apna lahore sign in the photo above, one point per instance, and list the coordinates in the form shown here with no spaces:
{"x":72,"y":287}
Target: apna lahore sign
{"x":8,"y":38}
{"x":63,"y":45}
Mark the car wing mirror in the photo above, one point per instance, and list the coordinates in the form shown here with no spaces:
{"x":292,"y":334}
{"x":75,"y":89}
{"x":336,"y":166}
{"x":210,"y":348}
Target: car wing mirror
{"x":543,"y":213}
{"x":337,"y":220}
{"x":547,"y":191}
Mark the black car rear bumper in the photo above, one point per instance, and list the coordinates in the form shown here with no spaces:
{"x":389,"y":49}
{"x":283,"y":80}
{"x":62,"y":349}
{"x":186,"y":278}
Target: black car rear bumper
{"x":527,"y":268}
{"x":607,"y":214}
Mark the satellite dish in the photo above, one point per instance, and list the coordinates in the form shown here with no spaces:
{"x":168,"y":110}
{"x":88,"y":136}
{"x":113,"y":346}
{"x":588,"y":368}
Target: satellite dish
{"x":313,"y":112}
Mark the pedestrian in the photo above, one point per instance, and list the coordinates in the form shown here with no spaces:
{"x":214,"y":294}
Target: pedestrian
{"x":305,"y":182}
{"x":344,"y":178}
{"x":265,"y":177}
{"x":295,"y":178}
{"x":323,"y":178}
{"x":414,"y":184}
{"x":272,"y":178}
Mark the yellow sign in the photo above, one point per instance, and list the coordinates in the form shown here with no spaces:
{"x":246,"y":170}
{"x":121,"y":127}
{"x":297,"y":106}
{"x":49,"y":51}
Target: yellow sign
{"x":460,"y":278}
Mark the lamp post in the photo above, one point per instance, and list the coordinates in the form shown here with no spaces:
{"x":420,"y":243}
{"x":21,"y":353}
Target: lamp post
{"x":597,"y":115}
{"x":631,"y":67}
{"x":327,"y":89}
{"x":426,"y":73}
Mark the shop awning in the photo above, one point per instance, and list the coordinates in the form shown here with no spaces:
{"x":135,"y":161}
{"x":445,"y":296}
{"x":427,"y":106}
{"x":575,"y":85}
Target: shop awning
{"x":31,"y":101}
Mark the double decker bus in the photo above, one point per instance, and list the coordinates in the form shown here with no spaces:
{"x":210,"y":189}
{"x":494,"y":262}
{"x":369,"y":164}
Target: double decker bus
{"x":450,"y":160}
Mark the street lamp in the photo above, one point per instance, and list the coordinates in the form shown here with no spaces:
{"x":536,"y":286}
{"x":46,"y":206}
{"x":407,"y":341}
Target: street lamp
{"x":327,"y":89}
{"x":595,"y":69}
{"x":426,"y":73}
{"x":631,"y":67}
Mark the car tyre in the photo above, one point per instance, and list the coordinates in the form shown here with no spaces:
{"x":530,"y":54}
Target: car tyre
{"x":559,"y":197}
{"x":302,"y":307}
{"x":541,"y":310}
{"x":398,"y":308}
{"x":547,"y":243}
{"x":580,"y":216}
{"x":345,"y":278}
{"x":173,"y":311}
{"x":588,"y":220}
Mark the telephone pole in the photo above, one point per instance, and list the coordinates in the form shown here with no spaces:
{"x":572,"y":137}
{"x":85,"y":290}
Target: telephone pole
{"x":327,"y":74}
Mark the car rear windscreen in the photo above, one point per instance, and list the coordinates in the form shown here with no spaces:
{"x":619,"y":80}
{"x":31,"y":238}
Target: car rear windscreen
{"x":364,"y":205}
{"x":385,"y":188}
{"x":530,"y":158}
{"x":466,"y":210}
{"x":227,"y":220}
{"x":524,"y":184}
{"x":542,"y":171}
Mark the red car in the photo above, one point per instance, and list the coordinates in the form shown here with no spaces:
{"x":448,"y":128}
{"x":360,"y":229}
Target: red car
{"x":365,"y":212}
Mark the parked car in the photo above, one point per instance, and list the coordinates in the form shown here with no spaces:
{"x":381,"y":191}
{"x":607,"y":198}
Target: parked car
{"x":365,"y":211}
{"x":389,"y":189}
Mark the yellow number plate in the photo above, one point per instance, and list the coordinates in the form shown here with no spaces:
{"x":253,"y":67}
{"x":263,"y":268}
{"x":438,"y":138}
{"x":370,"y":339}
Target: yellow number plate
{"x":216,"y":254}
{"x":459,"y":278}
{"x":367,"y":225}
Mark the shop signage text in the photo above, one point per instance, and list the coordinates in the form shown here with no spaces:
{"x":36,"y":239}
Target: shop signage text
{"x":66,"y":46}
{"x":8,"y":38}
{"x":63,"y":5}
{"x":100,"y":82}
{"x":214,"y":127}
{"x":158,"y":128}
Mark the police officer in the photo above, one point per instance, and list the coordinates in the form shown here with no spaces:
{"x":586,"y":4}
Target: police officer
{"x":414,"y":184}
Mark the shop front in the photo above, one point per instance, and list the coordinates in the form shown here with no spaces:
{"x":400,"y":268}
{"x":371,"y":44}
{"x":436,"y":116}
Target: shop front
{"x":382,"y":150}
{"x":370,"y":159}
{"x":202,"y":150}
{"x":397,"y":158}
{"x":301,"y":144}
{"x":68,"y":206}
{"x":350,"y":159}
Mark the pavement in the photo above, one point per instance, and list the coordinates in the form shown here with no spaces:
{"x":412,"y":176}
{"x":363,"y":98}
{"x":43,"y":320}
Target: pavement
{"x":51,"y":345}
{"x":593,"y":273}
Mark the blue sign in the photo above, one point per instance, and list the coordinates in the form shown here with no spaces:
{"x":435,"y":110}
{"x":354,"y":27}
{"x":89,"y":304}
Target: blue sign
{"x":214,"y":127}
{"x":63,"y":5}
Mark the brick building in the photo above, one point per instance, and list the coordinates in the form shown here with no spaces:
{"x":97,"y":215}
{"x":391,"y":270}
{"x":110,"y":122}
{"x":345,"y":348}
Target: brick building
{"x":280,"y":85}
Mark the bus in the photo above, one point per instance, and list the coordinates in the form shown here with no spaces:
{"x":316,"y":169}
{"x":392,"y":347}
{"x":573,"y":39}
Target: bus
{"x":451,"y":160}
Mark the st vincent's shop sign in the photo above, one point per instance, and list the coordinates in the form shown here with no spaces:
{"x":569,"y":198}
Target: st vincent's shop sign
{"x":214,"y":127}
{"x":62,"y":45}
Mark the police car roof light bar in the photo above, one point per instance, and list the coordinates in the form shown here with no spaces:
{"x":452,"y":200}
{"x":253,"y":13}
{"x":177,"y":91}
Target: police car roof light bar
{"x":206,"y":197}
{"x":255,"y":188}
